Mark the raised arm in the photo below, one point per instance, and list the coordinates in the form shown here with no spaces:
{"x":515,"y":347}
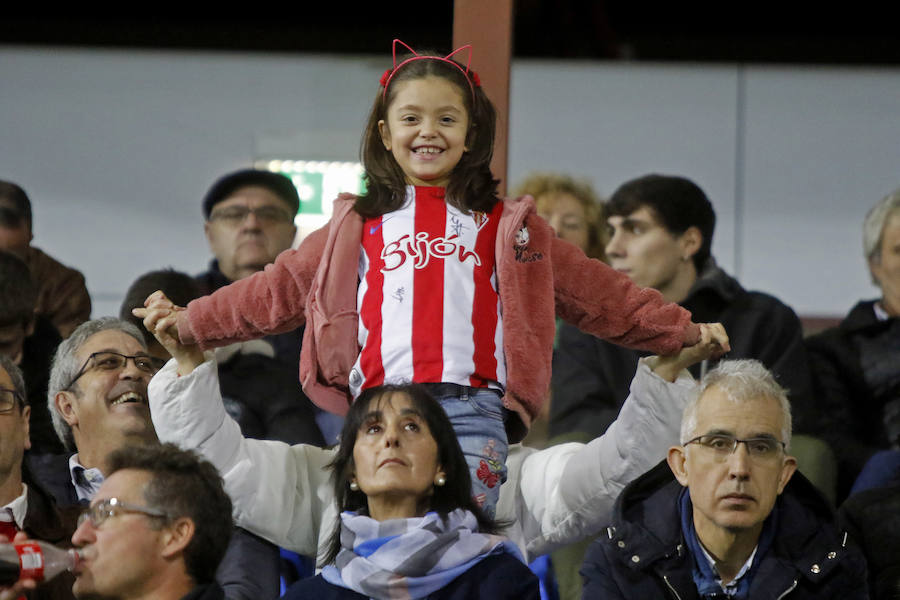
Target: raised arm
{"x":281,"y":493}
{"x":565,"y":493}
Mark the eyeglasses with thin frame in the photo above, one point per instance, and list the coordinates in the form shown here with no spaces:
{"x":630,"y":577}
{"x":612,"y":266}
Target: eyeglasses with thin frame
{"x":113,"y":361}
{"x":100,"y":512}
{"x":722,"y":445}
{"x":8,"y":400}
{"x":235,"y":215}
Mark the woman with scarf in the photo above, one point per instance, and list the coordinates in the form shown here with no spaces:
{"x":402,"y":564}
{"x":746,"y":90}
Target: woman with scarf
{"x":409,"y":527}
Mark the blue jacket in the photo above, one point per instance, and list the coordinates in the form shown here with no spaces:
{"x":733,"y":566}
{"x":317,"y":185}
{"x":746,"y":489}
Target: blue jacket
{"x":643,"y":555}
{"x":498,"y":577}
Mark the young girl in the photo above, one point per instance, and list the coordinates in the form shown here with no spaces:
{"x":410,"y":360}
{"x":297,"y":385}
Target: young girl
{"x":429,"y":277}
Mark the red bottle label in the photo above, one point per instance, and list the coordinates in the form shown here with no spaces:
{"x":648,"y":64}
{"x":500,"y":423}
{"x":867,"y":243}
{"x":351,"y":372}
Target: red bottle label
{"x":31,"y":561}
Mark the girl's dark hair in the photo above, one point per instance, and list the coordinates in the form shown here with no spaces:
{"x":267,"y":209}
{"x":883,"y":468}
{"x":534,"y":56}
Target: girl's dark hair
{"x":472,"y":185}
{"x":456,"y":493}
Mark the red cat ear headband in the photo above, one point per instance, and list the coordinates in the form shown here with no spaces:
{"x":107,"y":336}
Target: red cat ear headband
{"x":471,"y":76}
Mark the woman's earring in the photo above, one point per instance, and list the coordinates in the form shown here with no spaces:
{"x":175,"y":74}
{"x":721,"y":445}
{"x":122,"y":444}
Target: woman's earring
{"x":440,"y":480}
{"x":354,"y":486}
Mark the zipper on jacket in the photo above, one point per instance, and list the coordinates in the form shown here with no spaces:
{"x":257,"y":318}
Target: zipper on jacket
{"x":674,"y":593}
{"x":788,"y":591}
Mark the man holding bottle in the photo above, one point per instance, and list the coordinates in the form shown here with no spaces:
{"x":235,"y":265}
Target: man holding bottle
{"x":25,"y":505}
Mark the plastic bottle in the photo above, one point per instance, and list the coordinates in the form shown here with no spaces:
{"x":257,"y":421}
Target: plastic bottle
{"x":34,"y":560}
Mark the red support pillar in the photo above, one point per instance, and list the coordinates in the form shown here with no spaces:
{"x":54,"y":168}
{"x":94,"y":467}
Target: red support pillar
{"x":487,"y":25}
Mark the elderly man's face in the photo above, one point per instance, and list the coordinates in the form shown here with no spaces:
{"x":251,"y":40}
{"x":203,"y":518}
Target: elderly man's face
{"x":106,"y":402}
{"x":245,"y":242}
{"x":886,"y":269}
{"x":122,"y":553}
{"x":734,"y":492}
{"x":13,"y":429}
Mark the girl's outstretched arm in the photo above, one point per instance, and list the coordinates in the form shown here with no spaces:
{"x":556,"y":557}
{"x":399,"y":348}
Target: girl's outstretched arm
{"x":603,"y":302}
{"x":270,"y":301}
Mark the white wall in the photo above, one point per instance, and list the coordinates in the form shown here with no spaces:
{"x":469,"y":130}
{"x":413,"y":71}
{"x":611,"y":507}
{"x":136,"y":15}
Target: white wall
{"x":116,"y":149}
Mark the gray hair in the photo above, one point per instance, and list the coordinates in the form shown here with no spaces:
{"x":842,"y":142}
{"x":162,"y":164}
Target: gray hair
{"x":873,"y":226}
{"x":741,"y":380}
{"x":66,"y":365}
{"x":15,"y":374}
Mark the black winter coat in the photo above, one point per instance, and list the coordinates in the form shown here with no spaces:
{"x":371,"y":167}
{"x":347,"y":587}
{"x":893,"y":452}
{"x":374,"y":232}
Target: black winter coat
{"x":591,"y":376}
{"x":643,"y":554}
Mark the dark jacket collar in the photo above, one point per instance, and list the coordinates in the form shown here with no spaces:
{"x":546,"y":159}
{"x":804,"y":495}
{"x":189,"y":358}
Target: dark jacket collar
{"x":713,"y":280}
{"x":209,"y":591}
{"x":645,"y":520}
{"x":862,"y":317}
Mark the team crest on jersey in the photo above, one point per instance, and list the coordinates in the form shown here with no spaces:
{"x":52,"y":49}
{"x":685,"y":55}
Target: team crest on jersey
{"x":481,"y":219}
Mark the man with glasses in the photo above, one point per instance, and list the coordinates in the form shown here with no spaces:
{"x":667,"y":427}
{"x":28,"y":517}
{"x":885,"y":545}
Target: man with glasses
{"x":157,"y":528}
{"x":25,"y":505}
{"x":726,"y":515}
{"x":98,"y":401}
{"x":250,"y":221}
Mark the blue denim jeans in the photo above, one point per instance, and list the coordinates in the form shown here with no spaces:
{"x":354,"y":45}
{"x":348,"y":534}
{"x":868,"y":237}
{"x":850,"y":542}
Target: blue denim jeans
{"x":477,"y":416}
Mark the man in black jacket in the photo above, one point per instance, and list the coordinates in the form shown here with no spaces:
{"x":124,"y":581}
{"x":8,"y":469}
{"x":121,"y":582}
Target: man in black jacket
{"x":856,"y":365}
{"x":727,"y":517}
{"x":661,"y":234}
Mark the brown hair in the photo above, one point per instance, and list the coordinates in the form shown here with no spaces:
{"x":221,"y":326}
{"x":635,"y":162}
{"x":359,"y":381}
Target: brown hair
{"x":472,"y":185}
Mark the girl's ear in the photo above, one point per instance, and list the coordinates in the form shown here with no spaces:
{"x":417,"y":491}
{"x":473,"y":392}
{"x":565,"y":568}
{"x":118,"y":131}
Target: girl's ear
{"x":385,"y":134}
{"x":470,"y":138}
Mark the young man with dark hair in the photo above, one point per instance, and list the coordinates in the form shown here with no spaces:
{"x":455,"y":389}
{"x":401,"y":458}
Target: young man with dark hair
{"x":661,"y":230}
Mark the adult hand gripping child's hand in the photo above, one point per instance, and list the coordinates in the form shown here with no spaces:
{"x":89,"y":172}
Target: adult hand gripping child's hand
{"x":160,"y":318}
{"x":713,"y":344}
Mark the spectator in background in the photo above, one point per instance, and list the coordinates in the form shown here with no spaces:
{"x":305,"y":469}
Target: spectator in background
{"x":259,"y":392}
{"x":62,"y":296}
{"x":661,"y":229}
{"x":98,"y":400}
{"x":24,"y":504}
{"x":571,"y":207}
{"x":856,"y":365}
{"x":157,"y":528}
{"x":250,"y":221}
{"x":29,"y":340}
{"x":727,"y":517}
{"x":575,"y":213}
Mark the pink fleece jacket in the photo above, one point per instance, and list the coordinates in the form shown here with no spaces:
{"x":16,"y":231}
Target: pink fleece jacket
{"x":539,"y":276}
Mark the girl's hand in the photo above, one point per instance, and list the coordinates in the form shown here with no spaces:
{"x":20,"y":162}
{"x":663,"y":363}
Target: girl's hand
{"x":713,"y":344}
{"x":161,"y":319}
{"x":18,"y":589}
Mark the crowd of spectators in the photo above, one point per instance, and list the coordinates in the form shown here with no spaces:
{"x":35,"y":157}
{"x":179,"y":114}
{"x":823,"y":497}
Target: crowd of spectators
{"x":739,"y":498}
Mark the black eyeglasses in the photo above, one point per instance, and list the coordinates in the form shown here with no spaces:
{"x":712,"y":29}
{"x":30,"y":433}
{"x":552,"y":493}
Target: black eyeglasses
{"x":113,"y":361}
{"x":100,"y":512}
{"x":266,"y":215}
{"x":8,"y":400}
{"x":722,"y":445}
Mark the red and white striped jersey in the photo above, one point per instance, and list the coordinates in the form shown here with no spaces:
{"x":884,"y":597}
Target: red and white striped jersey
{"x":429,"y":311}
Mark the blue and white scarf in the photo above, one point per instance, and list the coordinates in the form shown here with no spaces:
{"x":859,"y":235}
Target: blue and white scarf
{"x":409,"y":558}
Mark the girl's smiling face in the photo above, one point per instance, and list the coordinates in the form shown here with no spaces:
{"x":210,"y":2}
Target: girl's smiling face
{"x":425,"y":130}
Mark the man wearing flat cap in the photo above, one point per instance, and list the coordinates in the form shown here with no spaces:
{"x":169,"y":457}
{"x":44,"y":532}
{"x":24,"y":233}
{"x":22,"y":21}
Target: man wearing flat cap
{"x":249,"y":221}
